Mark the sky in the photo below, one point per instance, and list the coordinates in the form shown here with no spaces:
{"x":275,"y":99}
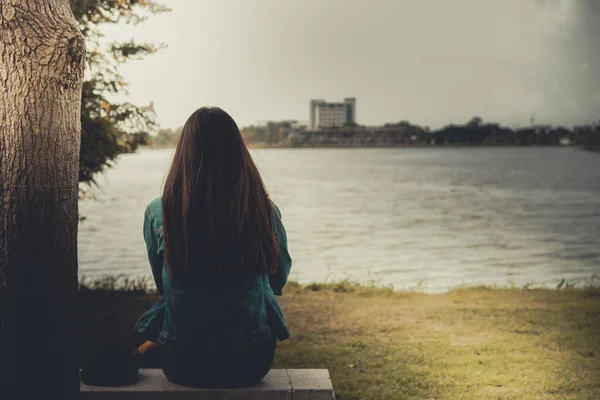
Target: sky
{"x":431,"y":62}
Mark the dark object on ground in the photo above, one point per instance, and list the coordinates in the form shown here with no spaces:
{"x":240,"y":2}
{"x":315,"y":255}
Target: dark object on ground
{"x":111,"y":366}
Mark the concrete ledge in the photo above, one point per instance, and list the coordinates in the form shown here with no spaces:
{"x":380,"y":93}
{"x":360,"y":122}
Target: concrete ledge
{"x":280,"y":384}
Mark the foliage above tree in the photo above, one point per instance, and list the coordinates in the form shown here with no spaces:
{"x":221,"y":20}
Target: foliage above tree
{"x":110,"y":128}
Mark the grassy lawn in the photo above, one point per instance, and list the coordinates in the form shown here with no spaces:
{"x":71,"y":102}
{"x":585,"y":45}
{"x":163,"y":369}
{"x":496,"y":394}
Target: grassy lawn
{"x":476,"y":343}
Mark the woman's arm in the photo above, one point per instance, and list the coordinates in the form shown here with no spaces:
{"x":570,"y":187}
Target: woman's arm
{"x":156,"y":262}
{"x":280,"y":277}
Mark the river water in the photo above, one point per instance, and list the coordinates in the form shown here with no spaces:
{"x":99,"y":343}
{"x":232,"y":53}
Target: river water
{"x":428,"y":219}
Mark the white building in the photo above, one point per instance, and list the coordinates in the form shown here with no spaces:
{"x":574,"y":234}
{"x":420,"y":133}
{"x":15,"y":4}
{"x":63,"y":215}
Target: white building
{"x":330,"y":115}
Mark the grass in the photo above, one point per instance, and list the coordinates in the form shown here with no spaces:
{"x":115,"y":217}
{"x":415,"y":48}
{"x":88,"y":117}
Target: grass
{"x":118,"y":283}
{"x":470,"y":343}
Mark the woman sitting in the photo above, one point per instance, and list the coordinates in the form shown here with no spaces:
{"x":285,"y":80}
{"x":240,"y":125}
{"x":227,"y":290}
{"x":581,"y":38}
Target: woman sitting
{"x":218,"y":253}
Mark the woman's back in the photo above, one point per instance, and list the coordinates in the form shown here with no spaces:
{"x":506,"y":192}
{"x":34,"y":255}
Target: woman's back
{"x":218,"y":253}
{"x":215,"y":306}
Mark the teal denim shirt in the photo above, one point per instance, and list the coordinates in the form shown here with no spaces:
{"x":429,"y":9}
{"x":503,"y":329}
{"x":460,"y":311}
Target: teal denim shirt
{"x":218,"y":310}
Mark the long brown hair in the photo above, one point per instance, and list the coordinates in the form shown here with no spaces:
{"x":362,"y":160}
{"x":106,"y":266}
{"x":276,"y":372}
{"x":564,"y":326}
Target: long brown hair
{"x":217,"y":215}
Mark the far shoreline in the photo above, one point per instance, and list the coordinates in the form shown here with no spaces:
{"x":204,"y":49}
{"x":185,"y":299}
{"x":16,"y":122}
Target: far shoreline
{"x":399,"y":146}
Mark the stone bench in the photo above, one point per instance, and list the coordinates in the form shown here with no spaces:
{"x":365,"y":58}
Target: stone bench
{"x":280,"y":384}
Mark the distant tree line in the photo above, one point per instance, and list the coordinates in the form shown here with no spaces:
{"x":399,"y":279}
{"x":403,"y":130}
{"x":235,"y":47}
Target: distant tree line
{"x":164,"y":138}
{"x":273,"y":133}
{"x":473,"y":133}
{"x":588,"y":137}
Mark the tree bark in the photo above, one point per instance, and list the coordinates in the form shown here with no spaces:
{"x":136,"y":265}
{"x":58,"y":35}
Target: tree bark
{"x":41,"y":73}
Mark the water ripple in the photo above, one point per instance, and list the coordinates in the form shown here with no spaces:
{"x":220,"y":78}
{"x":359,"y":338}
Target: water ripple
{"x":415,"y":218}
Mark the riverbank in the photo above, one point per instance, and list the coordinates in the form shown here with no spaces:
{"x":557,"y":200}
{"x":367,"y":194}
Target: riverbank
{"x":475,"y":343}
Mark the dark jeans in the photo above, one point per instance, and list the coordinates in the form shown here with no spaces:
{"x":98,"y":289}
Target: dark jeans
{"x":219,"y":367}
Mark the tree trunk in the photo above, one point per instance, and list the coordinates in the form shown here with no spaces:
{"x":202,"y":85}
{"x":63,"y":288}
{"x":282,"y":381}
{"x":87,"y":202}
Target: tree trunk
{"x":41,"y":73}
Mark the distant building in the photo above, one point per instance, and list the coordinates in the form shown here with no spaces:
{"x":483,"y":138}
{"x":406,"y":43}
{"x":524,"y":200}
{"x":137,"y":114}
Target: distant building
{"x":330,"y":115}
